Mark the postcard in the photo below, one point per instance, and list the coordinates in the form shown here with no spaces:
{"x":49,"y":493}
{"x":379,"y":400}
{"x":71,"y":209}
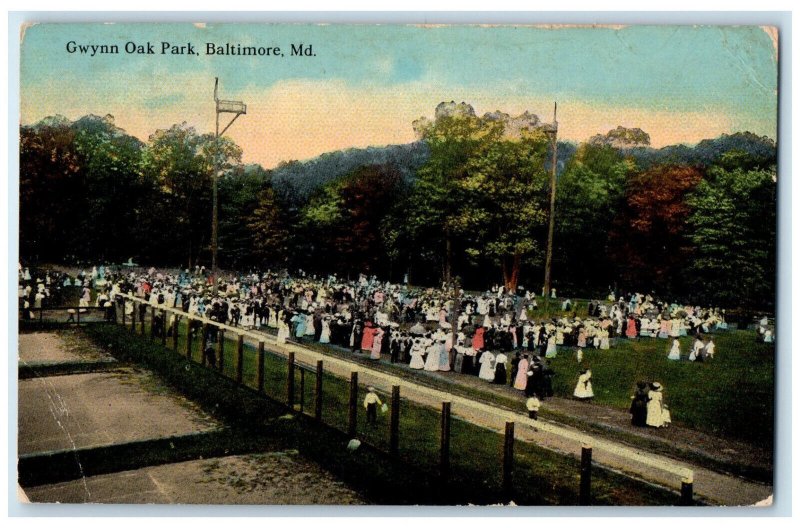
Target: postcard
{"x":397,"y":264}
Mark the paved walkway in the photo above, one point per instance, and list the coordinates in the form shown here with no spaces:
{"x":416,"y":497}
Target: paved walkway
{"x":66,"y":413}
{"x":269,"y":478}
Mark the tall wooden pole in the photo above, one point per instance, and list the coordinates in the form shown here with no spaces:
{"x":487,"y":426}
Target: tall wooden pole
{"x":214,"y":213}
{"x":549,"y":256}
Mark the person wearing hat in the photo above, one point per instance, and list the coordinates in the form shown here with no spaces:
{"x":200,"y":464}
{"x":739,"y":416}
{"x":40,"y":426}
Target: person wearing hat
{"x":639,"y":401}
{"x":583,"y":389}
{"x":533,"y":404}
{"x":708,"y":350}
{"x":655,"y":407}
{"x":697,"y":349}
{"x":371,"y":402}
{"x":675,"y":351}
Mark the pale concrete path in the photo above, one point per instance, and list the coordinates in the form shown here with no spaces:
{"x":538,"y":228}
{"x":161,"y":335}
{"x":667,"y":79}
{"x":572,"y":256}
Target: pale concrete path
{"x":711,"y":486}
{"x":269,"y":478}
{"x":53,"y":348}
{"x":94,"y":409}
{"x":90,"y":410}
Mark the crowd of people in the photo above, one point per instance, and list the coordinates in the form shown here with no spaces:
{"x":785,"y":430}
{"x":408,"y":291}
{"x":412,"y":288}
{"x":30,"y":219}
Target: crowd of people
{"x":496,"y":335}
{"x":648,"y":407}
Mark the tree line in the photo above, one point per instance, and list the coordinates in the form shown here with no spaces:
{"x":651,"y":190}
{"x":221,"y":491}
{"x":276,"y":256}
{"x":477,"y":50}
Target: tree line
{"x":473,"y":205}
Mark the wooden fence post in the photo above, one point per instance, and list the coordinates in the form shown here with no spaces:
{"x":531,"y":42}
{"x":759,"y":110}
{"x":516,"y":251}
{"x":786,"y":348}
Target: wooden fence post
{"x":124,"y":317}
{"x":394,"y":422}
{"x":353,"y":405}
{"x":203,"y":345}
{"x":290,"y":382}
{"x":175,"y":327}
{"x":221,"y":348}
{"x":508,"y":461}
{"x":687,"y":493}
{"x":152,"y":318}
{"x":239,"y":358}
{"x":189,"y":338}
{"x":585,"y":496}
{"x":133,"y":317}
{"x":444,"y":445}
{"x":142,"y":314}
{"x":318,"y":393}
{"x":260,"y":376}
{"x":302,"y":389}
{"x":163,"y":327}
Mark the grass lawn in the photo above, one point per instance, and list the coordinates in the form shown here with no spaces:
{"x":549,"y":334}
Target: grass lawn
{"x":541,"y":477}
{"x":731,"y":395}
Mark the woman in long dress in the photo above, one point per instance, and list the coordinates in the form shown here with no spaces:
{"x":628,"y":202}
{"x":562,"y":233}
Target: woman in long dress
{"x":432,"y":361}
{"x":583,"y":389}
{"x":675,"y":351}
{"x":325,"y":336}
{"x":487,"y":366}
{"x":521,"y":380}
{"x":551,"y":346}
{"x":283,"y":331}
{"x":500,"y":369}
{"x":655,"y":406}
{"x":674,"y":327}
{"x":444,"y":355}
{"x":638,"y":408}
{"x":416,"y":356}
{"x":630,"y":330}
{"x":377,"y":343}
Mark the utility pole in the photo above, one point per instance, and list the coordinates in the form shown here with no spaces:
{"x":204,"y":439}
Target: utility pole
{"x":548,"y":262}
{"x":231,"y":107}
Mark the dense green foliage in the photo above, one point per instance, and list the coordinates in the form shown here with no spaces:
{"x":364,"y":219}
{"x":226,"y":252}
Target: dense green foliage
{"x":469,"y":199}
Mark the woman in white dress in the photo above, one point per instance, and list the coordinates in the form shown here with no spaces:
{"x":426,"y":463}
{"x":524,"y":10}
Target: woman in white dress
{"x":583,"y":389}
{"x":432,"y":361}
{"x":675,"y":351}
{"x":551,"y":346}
{"x":325,"y":336}
{"x":416,"y":356}
{"x":310,"y":324}
{"x":487,"y":366}
{"x":283,"y":331}
{"x":444,"y":355}
{"x":657,"y":415}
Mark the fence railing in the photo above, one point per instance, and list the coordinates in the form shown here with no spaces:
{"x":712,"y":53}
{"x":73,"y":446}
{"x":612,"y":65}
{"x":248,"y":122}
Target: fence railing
{"x":68,"y":315}
{"x":302,"y":363}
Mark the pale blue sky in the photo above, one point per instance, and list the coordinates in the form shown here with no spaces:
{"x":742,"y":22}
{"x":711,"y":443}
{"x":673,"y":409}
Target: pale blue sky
{"x":367,"y":83}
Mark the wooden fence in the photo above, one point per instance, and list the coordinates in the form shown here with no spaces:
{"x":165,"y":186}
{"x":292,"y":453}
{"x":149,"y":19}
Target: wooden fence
{"x":300,"y":375}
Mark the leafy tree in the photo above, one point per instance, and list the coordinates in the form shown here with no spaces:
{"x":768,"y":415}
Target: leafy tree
{"x":507,"y":186}
{"x":436,"y":208}
{"x":273,"y":225}
{"x":80,"y":189}
{"x":239,"y":191}
{"x":590,"y":193}
{"x":649,"y":238}
{"x":49,"y":171}
{"x":180,"y":162}
{"x":481,"y":190}
{"x":344,"y":218}
{"x":733,"y":231}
